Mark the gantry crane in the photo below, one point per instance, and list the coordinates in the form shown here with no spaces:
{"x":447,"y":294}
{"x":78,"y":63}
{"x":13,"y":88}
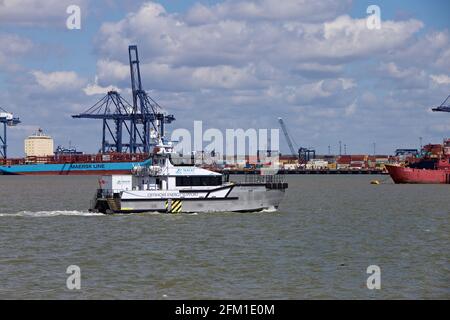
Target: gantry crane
{"x":8,"y":120}
{"x":286,"y":135}
{"x":444,"y":107}
{"x":138,"y":119}
{"x":304,"y":154}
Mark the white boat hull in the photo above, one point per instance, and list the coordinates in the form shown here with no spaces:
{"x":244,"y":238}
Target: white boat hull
{"x":232,"y":198}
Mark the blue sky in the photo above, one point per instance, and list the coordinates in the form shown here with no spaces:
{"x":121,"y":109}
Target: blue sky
{"x":234,"y":64}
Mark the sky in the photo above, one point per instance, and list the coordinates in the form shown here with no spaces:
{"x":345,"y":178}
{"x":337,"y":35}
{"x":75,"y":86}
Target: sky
{"x":234,"y":64}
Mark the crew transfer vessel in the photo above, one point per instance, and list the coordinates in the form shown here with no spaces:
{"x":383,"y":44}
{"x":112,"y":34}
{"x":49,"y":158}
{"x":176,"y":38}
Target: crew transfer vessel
{"x":163,"y":186}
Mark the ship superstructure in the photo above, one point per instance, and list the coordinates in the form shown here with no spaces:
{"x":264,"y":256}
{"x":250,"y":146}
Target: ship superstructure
{"x":432,"y":166}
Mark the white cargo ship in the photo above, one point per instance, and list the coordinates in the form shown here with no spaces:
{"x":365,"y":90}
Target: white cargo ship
{"x":163,"y":186}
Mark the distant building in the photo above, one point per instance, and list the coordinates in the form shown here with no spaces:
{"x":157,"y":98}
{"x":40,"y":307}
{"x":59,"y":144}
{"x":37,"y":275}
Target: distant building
{"x":39,"y":145}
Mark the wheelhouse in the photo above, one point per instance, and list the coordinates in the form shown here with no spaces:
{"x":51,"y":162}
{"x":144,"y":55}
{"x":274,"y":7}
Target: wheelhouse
{"x":167,"y":176}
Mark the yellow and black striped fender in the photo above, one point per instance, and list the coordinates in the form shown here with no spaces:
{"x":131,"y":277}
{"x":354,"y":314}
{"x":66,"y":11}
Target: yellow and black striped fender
{"x":176,"y":206}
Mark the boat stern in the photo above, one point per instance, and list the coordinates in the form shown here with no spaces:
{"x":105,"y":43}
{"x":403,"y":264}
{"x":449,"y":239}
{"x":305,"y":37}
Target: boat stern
{"x":105,"y":202}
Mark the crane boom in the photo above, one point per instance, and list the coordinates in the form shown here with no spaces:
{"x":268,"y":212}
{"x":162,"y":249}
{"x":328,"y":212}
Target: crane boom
{"x":286,"y":135}
{"x":443,"y":107}
{"x":122,"y":120}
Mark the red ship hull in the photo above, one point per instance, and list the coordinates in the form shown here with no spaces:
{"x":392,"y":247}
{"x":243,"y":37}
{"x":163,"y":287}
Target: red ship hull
{"x":423,"y":176}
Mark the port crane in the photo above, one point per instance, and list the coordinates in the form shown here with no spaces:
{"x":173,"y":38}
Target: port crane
{"x":444,"y":107}
{"x":7,"y":119}
{"x":129,"y":126}
{"x":286,"y":135}
{"x":304,"y":154}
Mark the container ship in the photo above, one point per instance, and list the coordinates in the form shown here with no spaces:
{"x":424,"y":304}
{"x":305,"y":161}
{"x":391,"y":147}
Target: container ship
{"x":41,"y":160}
{"x":432,"y":166}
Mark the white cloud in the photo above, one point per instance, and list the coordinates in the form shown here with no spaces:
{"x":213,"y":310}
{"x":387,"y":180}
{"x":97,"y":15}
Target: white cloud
{"x":224,"y":77}
{"x":440,"y":78}
{"x":166,"y":77}
{"x":318,"y":91}
{"x":170,"y":39}
{"x":255,"y":49}
{"x":348,"y":38}
{"x":306,"y":10}
{"x":429,"y":51}
{"x":407,"y":78}
{"x":112,"y":71}
{"x":12,"y":44}
{"x":11,"y":47}
{"x":347,"y":83}
{"x":443,"y":60}
{"x":351,"y":109}
{"x":36,"y":12}
{"x":58,"y":80}
{"x":392,"y":70}
{"x":318,"y":68}
{"x":94,"y":88}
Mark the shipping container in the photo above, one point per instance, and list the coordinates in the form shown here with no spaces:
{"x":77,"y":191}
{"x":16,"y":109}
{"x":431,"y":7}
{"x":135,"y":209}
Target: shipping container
{"x":358,"y":158}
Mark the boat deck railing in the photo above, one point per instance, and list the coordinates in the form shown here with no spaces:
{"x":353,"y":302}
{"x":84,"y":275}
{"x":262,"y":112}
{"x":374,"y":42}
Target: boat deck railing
{"x":109,"y":193}
{"x":273,"y":178}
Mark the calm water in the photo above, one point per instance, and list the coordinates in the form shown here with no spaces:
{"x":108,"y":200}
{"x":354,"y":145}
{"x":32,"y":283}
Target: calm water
{"x":318,"y":245}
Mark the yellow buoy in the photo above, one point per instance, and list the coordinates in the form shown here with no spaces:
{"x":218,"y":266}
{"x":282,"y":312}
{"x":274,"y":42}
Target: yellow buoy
{"x":374,"y":182}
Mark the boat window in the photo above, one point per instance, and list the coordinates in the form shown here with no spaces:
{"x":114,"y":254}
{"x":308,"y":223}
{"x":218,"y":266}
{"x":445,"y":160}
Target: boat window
{"x":196,"y":181}
{"x":177,"y":160}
